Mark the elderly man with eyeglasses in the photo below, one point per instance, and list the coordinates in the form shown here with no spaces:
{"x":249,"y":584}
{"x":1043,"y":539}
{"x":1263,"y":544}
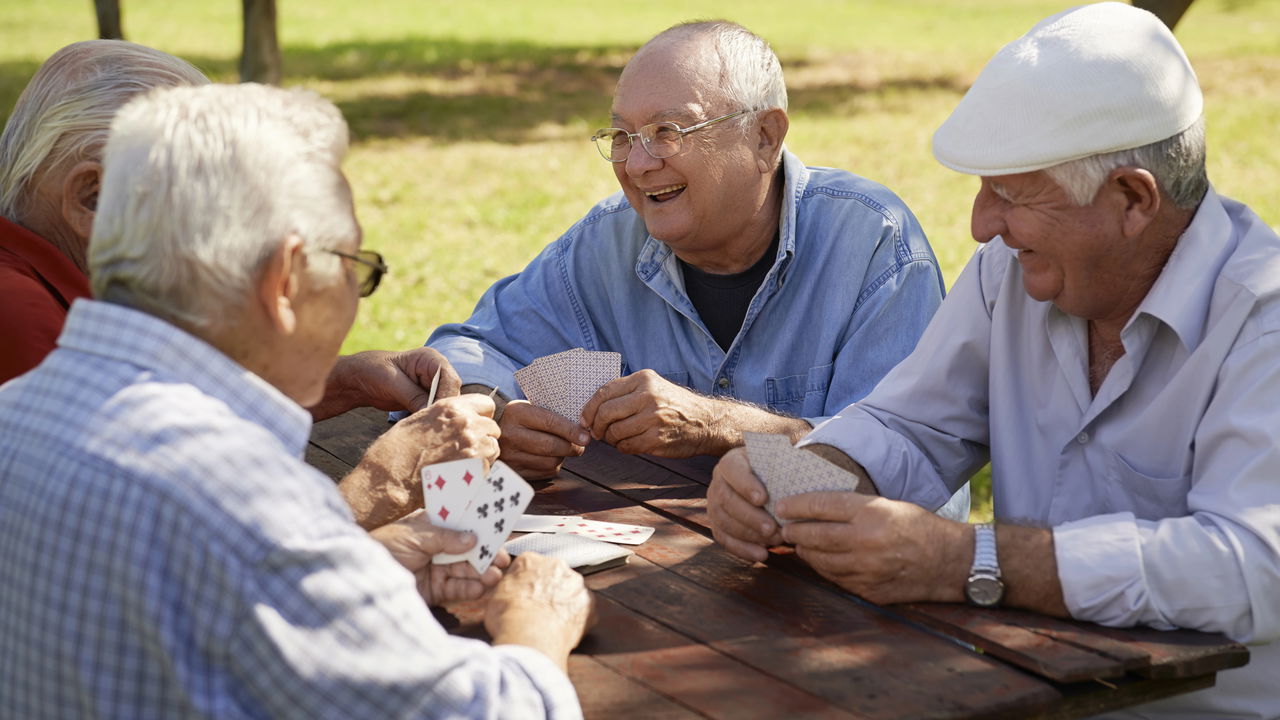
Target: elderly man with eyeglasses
{"x":745,"y":291}
{"x":164,"y":551}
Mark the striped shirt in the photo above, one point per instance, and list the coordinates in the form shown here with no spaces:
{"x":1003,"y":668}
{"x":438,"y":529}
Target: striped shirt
{"x":164,"y":552}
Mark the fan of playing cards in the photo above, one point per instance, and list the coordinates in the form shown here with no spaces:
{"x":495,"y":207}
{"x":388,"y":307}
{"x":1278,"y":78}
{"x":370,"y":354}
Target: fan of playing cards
{"x":459,"y":496}
{"x":787,"y":470}
{"x":565,"y":381}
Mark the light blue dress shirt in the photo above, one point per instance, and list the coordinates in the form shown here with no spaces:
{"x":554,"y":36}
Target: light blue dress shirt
{"x":853,"y":286}
{"x":165,"y":553}
{"x":1163,"y":490}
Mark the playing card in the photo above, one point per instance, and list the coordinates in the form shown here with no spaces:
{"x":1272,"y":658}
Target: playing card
{"x":621,"y":533}
{"x":502,"y":497}
{"x":581,"y":553}
{"x":786,"y":470}
{"x":544,"y":523}
{"x":565,"y":381}
{"x":448,"y":487}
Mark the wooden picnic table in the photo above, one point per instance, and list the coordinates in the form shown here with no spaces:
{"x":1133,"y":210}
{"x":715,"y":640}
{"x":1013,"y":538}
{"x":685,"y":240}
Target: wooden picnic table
{"x":687,"y":630}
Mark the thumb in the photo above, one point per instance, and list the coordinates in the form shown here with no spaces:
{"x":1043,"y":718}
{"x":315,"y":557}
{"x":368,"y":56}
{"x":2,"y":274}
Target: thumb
{"x":443,"y":540}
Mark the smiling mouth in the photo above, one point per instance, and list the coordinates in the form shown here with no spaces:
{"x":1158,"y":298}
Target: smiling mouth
{"x":664,"y":194}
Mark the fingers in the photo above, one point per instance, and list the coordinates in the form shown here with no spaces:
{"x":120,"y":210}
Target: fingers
{"x":610,"y":390}
{"x":838,"y":506}
{"x":535,"y":441}
{"x":471,"y":402}
{"x":733,"y":506}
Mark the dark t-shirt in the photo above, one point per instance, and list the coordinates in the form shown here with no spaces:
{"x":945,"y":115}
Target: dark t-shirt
{"x":722,"y":300}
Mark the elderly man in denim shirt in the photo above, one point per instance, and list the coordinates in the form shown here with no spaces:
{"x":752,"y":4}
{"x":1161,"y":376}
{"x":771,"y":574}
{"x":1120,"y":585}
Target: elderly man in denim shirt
{"x":745,"y":291}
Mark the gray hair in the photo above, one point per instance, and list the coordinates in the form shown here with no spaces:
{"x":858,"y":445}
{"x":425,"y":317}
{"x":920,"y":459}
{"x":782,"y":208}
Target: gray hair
{"x":63,"y":114}
{"x":201,"y":185}
{"x":1177,"y":163}
{"x":750,"y":74}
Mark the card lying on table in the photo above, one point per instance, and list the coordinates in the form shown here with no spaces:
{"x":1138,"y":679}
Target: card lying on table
{"x":787,"y":470}
{"x":620,"y":533}
{"x":458,"y":495}
{"x":565,"y":381}
{"x":582,"y":554}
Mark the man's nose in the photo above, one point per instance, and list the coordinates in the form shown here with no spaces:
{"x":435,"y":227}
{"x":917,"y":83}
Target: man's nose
{"x":987,"y":219}
{"x":639,"y":161}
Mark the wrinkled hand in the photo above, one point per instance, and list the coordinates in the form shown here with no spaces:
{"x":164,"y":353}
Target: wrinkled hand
{"x":535,"y":441}
{"x":644,"y":413}
{"x":541,"y":603}
{"x":413,"y":541}
{"x":385,"y":484}
{"x":387,"y":381}
{"x":735,"y":504}
{"x":886,"y":551}
{"x":402,"y":380}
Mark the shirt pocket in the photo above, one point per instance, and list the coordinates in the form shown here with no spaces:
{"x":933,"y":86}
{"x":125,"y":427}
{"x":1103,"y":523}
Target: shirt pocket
{"x":803,"y":395}
{"x":676,"y":377}
{"x":1148,"y":497}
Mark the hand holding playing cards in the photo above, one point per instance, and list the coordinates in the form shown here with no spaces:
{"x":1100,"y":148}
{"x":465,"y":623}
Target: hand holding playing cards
{"x":413,"y":541}
{"x":535,"y":441}
{"x":645,"y":413}
{"x":385,"y":484}
{"x":735,"y":504}
{"x":542,"y":604}
{"x":887,"y":551}
{"x":387,"y":381}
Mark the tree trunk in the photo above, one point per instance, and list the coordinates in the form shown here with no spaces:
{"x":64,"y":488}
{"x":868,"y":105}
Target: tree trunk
{"x":1169,"y":11}
{"x":260,"y":61}
{"x":109,"y":27}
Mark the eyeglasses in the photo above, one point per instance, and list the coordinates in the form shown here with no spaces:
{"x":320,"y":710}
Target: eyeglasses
{"x":661,"y":139}
{"x":369,"y":269}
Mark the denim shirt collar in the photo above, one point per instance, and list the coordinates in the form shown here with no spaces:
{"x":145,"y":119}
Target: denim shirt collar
{"x":170,"y":354}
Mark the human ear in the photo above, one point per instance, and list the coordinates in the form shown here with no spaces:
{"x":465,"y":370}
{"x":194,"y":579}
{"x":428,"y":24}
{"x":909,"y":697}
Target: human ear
{"x":1140,"y":198}
{"x":771,"y":130}
{"x":80,"y":197}
{"x":278,"y":284}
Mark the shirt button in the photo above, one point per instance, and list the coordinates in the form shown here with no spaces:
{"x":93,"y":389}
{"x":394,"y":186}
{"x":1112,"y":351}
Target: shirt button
{"x":723,"y":382}
{"x":1082,"y":438}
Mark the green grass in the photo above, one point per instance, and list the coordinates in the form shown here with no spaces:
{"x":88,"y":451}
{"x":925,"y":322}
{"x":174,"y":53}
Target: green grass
{"x":469,"y":119}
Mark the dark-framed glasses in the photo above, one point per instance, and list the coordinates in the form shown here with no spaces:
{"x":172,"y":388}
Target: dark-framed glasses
{"x":369,"y":269}
{"x":661,"y":139}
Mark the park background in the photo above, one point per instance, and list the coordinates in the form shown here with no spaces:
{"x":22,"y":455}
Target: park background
{"x":469,"y":120}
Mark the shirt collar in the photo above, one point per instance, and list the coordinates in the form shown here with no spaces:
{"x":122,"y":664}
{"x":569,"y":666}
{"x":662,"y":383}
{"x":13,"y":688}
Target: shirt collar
{"x":172,"y":355}
{"x":1180,"y":296}
{"x":49,"y":263}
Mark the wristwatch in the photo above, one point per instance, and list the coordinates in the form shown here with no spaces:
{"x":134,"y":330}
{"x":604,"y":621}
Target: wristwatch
{"x":984,"y":587}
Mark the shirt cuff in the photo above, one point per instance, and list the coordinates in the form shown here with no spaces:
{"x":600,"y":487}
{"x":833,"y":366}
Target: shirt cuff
{"x":479,"y":364}
{"x":1101,"y":572}
{"x":559,"y":699}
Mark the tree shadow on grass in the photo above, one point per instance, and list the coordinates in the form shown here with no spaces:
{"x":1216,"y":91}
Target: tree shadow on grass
{"x":507,"y":92}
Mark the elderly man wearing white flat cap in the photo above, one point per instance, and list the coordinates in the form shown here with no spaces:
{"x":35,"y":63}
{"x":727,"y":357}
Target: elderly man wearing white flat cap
{"x":1112,"y":348}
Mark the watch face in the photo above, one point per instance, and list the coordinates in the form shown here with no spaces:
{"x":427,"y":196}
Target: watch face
{"x":984,"y":590}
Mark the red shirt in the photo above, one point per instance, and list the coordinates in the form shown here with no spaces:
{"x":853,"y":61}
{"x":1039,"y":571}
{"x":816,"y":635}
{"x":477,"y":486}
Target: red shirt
{"x":37,"y":285}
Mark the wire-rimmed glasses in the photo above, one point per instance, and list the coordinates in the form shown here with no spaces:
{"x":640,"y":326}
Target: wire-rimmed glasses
{"x":661,"y":139}
{"x":369,"y":269}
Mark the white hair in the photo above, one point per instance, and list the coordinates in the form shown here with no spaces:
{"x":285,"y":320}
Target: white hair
{"x":202,"y":184}
{"x":1177,"y":163}
{"x":750,"y":74}
{"x":63,"y":114}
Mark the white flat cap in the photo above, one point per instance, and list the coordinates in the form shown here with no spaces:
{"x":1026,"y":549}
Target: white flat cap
{"x":1090,"y":80}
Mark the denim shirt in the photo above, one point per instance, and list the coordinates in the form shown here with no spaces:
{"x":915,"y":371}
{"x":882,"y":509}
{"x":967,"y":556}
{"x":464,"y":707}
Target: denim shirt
{"x":852,"y":287}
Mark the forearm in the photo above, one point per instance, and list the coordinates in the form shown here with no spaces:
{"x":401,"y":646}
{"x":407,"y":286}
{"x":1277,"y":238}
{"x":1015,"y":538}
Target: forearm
{"x":341,"y":391}
{"x":1030,"y":569}
{"x":731,"y":418}
{"x":554,"y":643}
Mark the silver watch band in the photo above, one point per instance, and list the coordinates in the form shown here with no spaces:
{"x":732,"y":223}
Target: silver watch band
{"x":984,"y":549}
